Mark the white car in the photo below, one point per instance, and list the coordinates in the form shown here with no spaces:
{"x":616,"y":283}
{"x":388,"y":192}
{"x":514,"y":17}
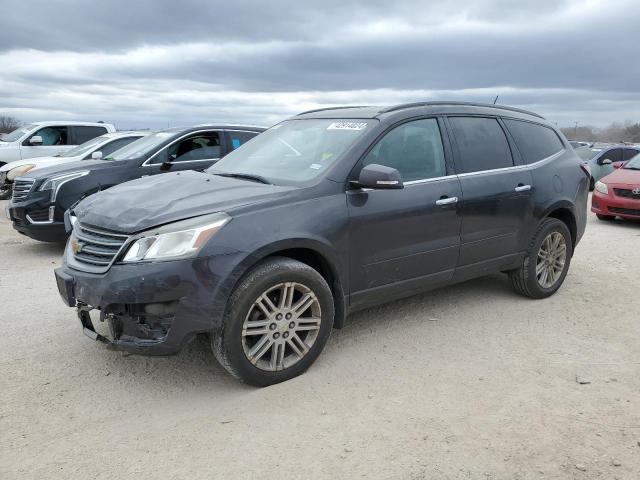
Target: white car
{"x":96,"y":148}
{"x":47,"y":139}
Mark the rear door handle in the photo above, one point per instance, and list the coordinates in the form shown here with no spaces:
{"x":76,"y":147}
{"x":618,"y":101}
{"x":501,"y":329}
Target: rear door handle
{"x":447,"y":201}
{"x":523,"y":188}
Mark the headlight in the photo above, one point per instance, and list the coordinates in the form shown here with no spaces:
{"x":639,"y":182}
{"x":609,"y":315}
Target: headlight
{"x":54,"y":183}
{"x":16,"y":172}
{"x":181,"y":239}
{"x":602,"y":187}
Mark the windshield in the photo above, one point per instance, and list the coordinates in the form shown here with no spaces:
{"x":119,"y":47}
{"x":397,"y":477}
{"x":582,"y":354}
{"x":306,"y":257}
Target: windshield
{"x":587,"y":153}
{"x":633,"y":164}
{"x":18,"y":133}
{"x":293,"y":152}
{"x":140,"y":147}
{"x":83,"y":148}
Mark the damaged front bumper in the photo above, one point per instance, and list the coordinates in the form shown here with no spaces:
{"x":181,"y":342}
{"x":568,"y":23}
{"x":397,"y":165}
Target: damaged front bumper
{"x":148,"y":309}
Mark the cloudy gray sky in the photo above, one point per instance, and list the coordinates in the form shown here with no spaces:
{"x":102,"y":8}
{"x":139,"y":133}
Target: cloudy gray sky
{"x":153,"y":63}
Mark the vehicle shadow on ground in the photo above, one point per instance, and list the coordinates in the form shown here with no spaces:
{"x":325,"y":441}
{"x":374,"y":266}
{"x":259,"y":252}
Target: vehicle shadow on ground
{"x":44,"y":248}
{"x":623,"y":223}
{"x":195,"y":367}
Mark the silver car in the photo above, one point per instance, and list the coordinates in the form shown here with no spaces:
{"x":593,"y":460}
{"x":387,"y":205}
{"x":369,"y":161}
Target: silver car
{"x":601,"y":160}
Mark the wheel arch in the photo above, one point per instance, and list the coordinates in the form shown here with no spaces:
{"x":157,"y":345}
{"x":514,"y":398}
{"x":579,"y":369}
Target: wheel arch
{"x":564,"y":212}
{"x":311,"y":252}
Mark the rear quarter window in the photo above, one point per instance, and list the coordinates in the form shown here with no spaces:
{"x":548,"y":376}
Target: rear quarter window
{"x":535,"y":142}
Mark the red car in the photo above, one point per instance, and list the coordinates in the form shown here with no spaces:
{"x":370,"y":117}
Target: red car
{"x":618,"y":194}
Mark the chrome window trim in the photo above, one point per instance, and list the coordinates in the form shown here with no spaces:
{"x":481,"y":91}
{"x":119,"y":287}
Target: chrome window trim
{"x":147,"y":164}
{"x":428,"y":180}
{"x":516,"y":167}
{"x":482,"y":172}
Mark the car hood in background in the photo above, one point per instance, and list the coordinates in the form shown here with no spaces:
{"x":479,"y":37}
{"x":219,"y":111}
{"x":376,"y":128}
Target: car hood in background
{"x":69,"y":167}
{"x":623,"y":176}
{"x":37,"y":161}
{"x":152,"y":201}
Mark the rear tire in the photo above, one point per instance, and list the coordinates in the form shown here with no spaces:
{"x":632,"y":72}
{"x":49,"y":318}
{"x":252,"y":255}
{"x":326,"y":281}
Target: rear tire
{"x":546,"y":261}
{"x":264,"y":338}
{"x":6,"y":195}
{"x":605,"y":218}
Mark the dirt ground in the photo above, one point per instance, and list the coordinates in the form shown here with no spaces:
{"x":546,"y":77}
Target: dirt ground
{"x":469,"y":382}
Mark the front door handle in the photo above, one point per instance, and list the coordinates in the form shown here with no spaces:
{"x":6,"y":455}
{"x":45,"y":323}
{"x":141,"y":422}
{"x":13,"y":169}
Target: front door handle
{"x":523,"y":188}
{"x":447,"y":201}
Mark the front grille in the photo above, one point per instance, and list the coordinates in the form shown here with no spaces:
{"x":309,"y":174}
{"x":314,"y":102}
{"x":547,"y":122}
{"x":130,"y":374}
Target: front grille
{"x":625,"y":193}
{"x":21,"y":188}
{"x":95,"y":247}
{"x":624,"y":211}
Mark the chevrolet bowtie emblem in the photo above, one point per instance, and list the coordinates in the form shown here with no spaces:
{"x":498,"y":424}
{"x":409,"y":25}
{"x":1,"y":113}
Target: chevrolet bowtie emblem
{"x":76,"y":247}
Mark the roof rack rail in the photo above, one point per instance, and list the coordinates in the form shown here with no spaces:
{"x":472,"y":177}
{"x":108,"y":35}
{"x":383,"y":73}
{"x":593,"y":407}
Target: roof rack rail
{"x":470,"y":104}
{"x":333,"y":108}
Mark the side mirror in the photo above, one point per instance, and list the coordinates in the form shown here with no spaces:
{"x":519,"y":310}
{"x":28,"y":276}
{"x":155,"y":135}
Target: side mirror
{"x":165,"y":165}
{"x":96,"y":155}
{"x":606,"y":161}
{"x":35,"y":140}
{"x":380,"y":177}
{"x":617,"y":165}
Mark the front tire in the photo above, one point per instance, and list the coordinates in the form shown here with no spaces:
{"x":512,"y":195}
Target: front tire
{"x":279,"y":319}
{"x":5,"y":195}
{"x":546,"y":261}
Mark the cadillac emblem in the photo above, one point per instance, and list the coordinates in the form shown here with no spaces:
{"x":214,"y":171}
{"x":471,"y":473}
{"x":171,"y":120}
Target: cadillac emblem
{"x":636,"y":191}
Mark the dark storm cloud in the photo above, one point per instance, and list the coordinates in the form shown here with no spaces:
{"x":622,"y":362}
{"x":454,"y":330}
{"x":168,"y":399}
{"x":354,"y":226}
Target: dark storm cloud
{"x":80,"y":25}
{"x":150,"y":62}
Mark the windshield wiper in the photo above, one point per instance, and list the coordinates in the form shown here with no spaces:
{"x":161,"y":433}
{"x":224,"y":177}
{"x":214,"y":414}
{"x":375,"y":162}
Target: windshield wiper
{"x":245,"y":176}
{"x":631,"y":168}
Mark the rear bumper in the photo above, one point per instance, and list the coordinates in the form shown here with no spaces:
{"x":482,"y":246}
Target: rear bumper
{"x":613,"y":205}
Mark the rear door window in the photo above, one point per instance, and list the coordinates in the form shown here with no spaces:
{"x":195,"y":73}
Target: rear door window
{"x":236,"y":138}
{"x":535,"y":142}
{"x":615,"y":155}
{"x":84,"y":133}
{"x":628,"y":154}
{"x":482,"y":144}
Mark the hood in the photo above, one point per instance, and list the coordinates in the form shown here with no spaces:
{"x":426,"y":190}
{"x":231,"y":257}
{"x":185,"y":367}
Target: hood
{"x":69,"y":167}
{"x":38,"y":161}
{"x":152,"y":201}
{"x":623,"y":176}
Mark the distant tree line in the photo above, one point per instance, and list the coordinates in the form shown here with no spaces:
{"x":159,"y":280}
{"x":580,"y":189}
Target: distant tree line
{"x":8,"y":124}
{"x":616,"y":132}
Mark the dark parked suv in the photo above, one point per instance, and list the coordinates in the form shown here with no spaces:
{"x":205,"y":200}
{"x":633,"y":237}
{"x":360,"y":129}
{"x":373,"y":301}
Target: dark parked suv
{"x":328,"y":212}
{"x":41,"y":197}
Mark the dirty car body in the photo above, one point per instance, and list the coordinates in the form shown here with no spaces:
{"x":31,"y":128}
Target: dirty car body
{"x":370,"y":245}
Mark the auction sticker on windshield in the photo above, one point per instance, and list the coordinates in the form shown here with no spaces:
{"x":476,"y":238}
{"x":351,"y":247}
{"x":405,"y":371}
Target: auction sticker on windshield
{"x":347,"y":126}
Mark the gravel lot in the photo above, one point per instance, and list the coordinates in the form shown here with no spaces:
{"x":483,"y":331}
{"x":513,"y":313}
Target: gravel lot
{"x":469,"y":382}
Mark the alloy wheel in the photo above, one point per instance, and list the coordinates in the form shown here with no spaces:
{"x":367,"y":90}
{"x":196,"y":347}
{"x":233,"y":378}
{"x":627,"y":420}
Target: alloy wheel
{"x":552,"y":257}
{"x":281,"y":326}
